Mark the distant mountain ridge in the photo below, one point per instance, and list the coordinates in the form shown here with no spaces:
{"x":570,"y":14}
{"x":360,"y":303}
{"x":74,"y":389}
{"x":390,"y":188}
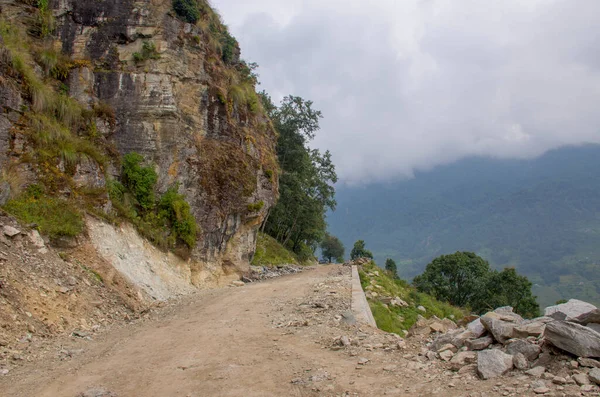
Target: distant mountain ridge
{"x":541,"y":216}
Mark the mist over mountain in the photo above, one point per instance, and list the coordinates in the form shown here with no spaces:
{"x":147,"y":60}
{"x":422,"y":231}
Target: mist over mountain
{"x":541,"y":216}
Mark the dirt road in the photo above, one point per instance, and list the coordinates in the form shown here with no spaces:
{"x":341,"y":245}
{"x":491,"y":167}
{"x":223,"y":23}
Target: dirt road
{"x":276,"y":338}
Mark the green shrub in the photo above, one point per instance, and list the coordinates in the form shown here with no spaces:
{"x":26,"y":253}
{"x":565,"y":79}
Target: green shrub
{"x":176,"y":210}
{"x":149,"y":51}
{"x":54,"y":216}
{"x":187,"y":10}
{"x":140,"y":181}
{"x":255,"y":207}
{"x":269,"y":175}
{"x":269,"y":252}
{"x":229,"y":47}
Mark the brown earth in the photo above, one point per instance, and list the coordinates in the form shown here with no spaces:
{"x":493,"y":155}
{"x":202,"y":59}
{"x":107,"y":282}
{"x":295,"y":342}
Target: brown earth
{"x":274,"y":338}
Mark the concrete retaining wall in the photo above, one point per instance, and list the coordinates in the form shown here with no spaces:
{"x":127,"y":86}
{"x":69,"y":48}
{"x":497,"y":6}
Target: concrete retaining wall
{"x":360,"y":306}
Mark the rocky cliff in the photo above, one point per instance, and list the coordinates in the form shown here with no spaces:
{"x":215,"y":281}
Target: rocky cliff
{"x":146,"y":82}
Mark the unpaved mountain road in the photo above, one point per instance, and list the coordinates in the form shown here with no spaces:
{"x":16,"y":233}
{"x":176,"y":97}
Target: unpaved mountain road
{"x":275,"y":338}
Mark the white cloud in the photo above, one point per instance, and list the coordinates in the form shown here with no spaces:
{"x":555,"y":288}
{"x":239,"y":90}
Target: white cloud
{"x":410,"y":84}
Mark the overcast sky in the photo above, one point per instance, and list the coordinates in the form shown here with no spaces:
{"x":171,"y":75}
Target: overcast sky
{"x":410,"y":84}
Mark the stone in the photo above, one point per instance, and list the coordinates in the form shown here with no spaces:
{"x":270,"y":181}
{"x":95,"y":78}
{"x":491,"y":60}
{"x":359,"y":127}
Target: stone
{"x":499,"y":325}
{"x":238,"y":283}
{"x":581,"y":379}
{"x":541,"y":390}
{"x":535,"y":328}
{"x":463,"y":358}
{"x":559,"y":380}
{"x":480,"y":343}
{"x":587,"y":388}
{"x":588,"y":362}
{"x":573,"y":338}
{"x":438,"y":327}
{"x":594,"y":326}
{"x":476,"y":327}
{"x":36,"y":239}
{"x":345,"y":341}
{"x":446,"y":355}
{"x":10,"y":231}
{"x":363,"y":361}
{"x":574,"y":311}
{"x":97,"y":393}
{"x":422,"y":309}
{"x":594,"y":375}
{"x":529,"y":350}
{"x":520,"y":361}
{"x":536,"y":372}
{"x":493,"y":363}
{"x":448,"y":346}
{"x":398,"y":302}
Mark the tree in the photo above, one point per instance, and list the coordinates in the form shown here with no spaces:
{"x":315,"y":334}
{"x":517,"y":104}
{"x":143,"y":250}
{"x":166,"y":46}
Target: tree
{"x":307,"y":177}
{"x":391,"y":267}
{"x":332,"y":248}
{"x":359,"y":251}
{"x":465,"y":279}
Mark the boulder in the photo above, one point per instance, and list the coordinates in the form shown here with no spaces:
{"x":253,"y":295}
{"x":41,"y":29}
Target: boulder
{"x":446,"y":355}
{"x":520,"y":361}
{"x":574,"y":311}
{"x":573,"y":338}
{"x":10,"y":231}
{"x":594,"y":375}
{"x":398,"y":302}
{"x":529,"y":350}
{"x":501,"y":325}
{"x":493,"y":363}
{"x":594,"y":326}
{"x":581,"y":379}
{"x":479,"y":343}
{"x":476,"y":328}
{"x":530,"y":328}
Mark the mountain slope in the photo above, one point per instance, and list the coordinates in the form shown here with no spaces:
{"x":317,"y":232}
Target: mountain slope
{"x":541,"y":216}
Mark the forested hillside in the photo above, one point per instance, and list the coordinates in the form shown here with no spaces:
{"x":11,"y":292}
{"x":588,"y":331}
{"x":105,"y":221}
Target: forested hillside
{"x":541,"y":216}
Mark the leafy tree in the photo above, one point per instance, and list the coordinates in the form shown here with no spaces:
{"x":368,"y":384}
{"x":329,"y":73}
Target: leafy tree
{"x":390,"y":266}
{"x":359,"y":251}
{"x":507,"y":288}
{"x":332,"y":248}
{"x":465,"y":279}
{"x":306,"y":180}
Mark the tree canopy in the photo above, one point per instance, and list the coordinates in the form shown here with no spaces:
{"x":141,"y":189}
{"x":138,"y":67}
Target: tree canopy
{"x":465,"y":279}
{"x":390,"y":266}
{"x":306,"y":180}
{"x":359,"y":251}
{"x":332,"y":248}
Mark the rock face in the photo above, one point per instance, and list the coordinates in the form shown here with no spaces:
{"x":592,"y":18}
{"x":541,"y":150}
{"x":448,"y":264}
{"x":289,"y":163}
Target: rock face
{"x":575,"y":311}
{"x":493,"y":363}
{"x":573,"y":338}
{"x":173,"y":110}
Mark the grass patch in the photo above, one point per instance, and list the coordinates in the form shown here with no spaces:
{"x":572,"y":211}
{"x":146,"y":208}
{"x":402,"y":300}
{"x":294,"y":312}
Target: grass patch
{"x":53,"y":216}
{"x":270,"y":253}
{"x":149,"y":51}
{"x":398,"y":319}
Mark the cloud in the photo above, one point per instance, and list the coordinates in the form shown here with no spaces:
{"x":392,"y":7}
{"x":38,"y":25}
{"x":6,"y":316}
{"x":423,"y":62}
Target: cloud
{"x":411,"y":84}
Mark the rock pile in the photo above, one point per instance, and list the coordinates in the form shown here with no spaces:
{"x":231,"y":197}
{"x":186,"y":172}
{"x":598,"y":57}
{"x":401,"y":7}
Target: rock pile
{"x":260,"y":273}
{"x":558,"y":347}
